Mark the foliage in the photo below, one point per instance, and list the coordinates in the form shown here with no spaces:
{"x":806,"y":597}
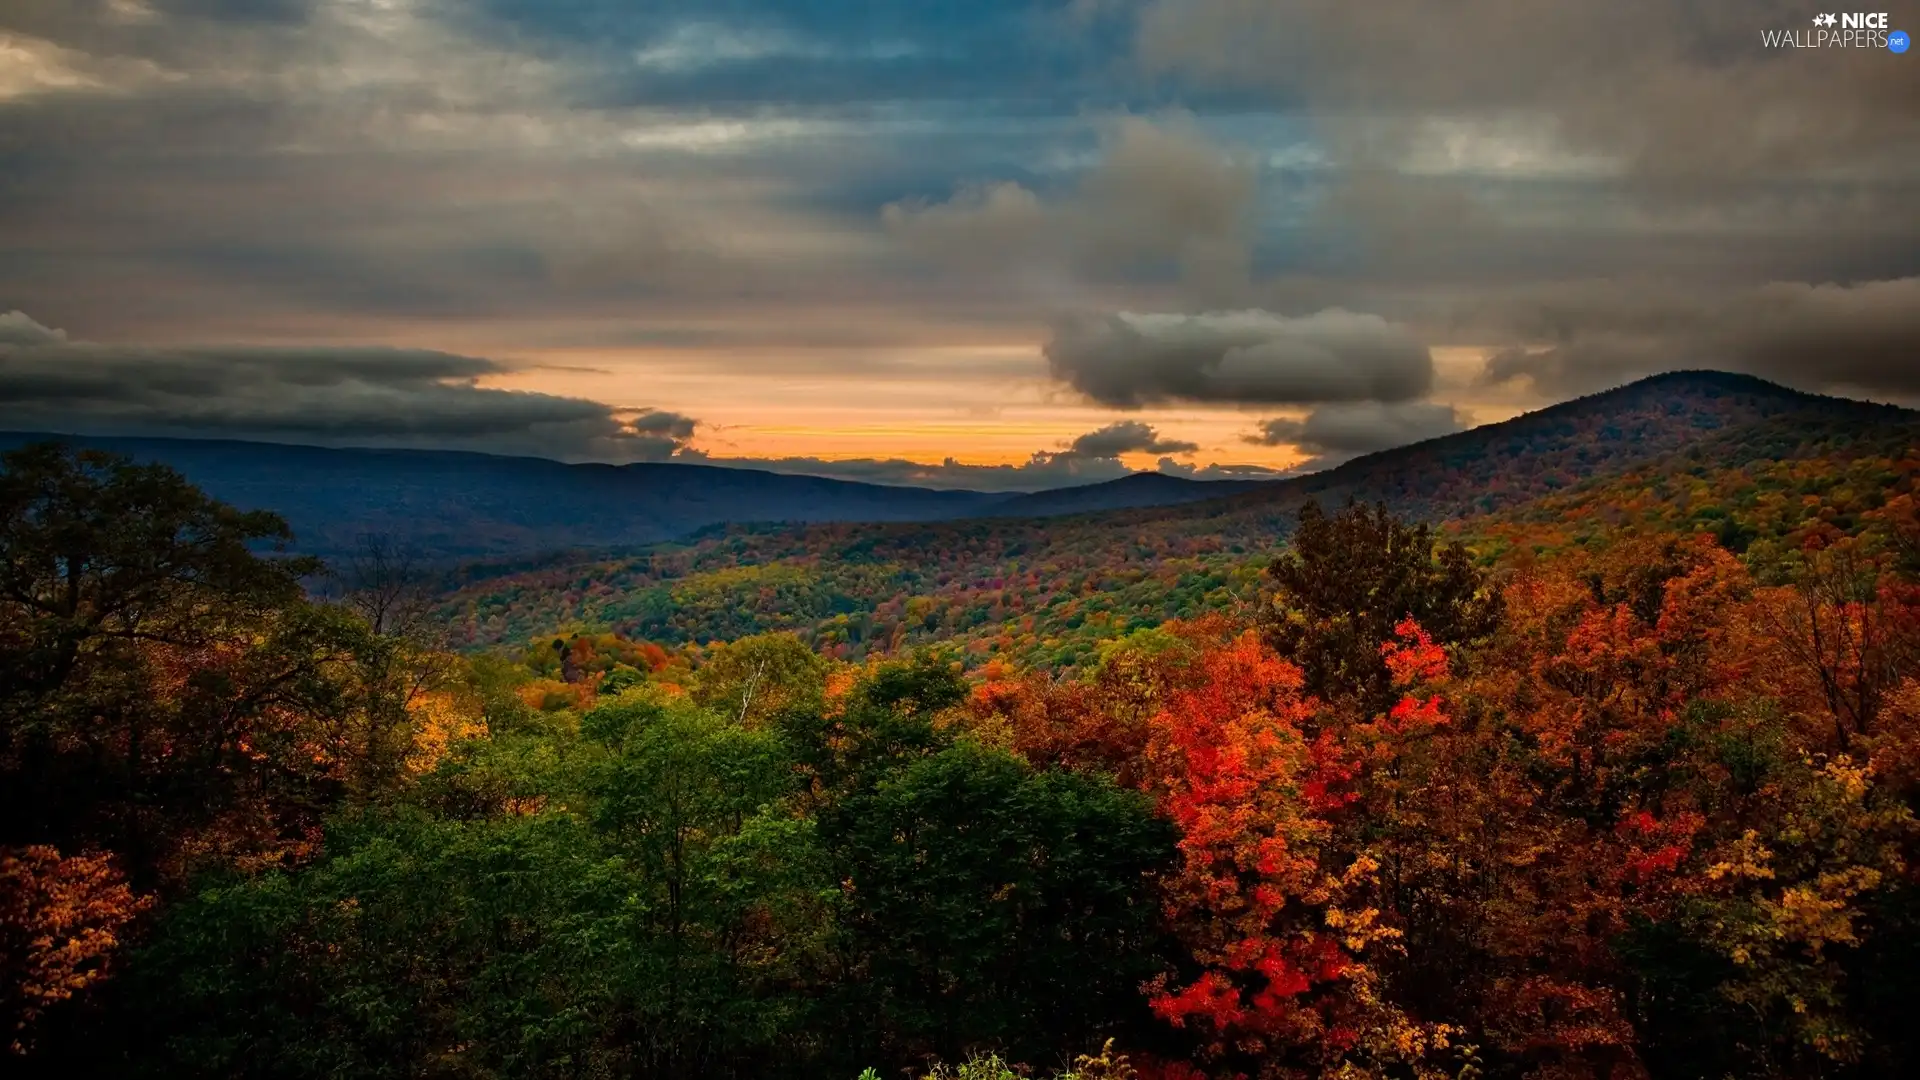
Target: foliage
{"x":60,"y":924}
{"x":1346,"y":581}
{"x":1610,"y":795}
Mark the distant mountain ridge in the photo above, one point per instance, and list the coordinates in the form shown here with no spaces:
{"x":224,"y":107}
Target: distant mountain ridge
{"x":452,"y":504}
{"x":1141,"y":489}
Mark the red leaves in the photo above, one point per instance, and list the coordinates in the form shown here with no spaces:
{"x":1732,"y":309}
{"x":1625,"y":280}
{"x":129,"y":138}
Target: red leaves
{"x":1265,"y":897}
{"x":1655,"y":848}
{"x":1212,"y":997}
{"x":1414,"y":658}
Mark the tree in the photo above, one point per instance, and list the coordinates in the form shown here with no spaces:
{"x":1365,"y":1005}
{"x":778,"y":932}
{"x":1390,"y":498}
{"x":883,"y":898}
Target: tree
{"x":992,"y":903}
{"x":1346,"y":581}
{"x":145,"y":656}
{"x":1850,"y":630}
{"x":169,"y":700}
{"x":390,"y":586}
{"x":61,"y":921}
{"x":755,"y":677}
{"x":99,"y":555}
{"x":1273,"y":911}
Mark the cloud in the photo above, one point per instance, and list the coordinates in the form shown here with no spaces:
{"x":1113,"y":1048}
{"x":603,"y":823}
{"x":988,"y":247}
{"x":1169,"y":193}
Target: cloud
{"x":1128,"y":437}
{"x":1492,"y":145}
{"x":329,"y":396}
{"x":695,"y":45}
{"x":18,"y":328}
{"x":708,"y":194}
{"x":659,"y":422}
{"x":1677,"y":95}
{"x":1219,"y":471}
{"x":1162,"y":195}
{"x":1361,"y":427}
{"x":1089,"y":459}
{"x":386,"y":397}
{"x":1129,"y":360}
{"x":1861,"y":338}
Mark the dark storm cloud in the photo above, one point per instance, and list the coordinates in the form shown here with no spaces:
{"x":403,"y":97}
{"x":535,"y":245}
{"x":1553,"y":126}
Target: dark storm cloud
{"x":372,"y":396}
{"x":407,"y":161}
{"x":1131,"y":360}
{"x":1474,"y":152}
{"x":662,"y":424}
{"x":1859,"y":338}
{"x":1128,"y":437}
{"x":1361,"y":428}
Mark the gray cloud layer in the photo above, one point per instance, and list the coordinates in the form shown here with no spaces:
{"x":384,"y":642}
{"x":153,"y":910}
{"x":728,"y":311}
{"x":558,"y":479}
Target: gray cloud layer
{"x":368,"y":396}
{"x":1360,"y":428}
{"x":1678,"y":93}
{"x":1161,"y":194}
{"x":1862,"y":338}
{"x":1128,"y":360}
{"x":679,"y":175}
{"x":416,"y":398}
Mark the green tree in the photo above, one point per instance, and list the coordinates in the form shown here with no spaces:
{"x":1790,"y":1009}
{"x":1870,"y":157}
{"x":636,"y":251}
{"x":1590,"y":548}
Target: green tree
{"x":990,"y":903}
{"x":753,"y":678}
{"x":1346,"y":581}
{"x":156,"y":671}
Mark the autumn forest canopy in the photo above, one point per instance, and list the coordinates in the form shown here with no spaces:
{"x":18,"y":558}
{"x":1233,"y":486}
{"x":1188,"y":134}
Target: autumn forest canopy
{"x":1584,"y":749}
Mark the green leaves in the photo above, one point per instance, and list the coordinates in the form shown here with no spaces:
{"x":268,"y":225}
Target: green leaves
{"x":1346,"y":581}
{"x":993,"y":902}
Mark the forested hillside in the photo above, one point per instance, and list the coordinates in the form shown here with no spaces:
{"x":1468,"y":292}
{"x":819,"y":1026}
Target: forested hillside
{"x":449,"y":505}
{"x":1734,"y":456}
{"x":1613,"y":801}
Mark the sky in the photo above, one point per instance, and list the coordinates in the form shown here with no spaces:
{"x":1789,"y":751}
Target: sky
{"x":992,"y":244}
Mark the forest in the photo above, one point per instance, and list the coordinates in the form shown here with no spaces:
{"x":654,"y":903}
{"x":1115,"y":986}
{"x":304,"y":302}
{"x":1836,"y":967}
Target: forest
{"x":1603,"y":780}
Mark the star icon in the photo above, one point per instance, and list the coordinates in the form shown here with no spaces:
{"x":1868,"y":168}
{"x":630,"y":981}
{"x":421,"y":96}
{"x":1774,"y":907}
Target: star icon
{"x":1830,"y":19}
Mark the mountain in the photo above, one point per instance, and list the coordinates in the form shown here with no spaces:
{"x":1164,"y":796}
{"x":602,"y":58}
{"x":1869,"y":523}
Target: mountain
{"x":1143,"y":489}
{"x":1483,"y":469}
{"x":464,"y":506}
{"x":1044,"y":589}
{"x":451,"y":504}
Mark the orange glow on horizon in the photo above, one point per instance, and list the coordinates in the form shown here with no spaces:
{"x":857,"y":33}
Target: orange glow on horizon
{"x":922,"y":405}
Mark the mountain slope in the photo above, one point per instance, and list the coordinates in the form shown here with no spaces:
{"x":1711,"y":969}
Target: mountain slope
{"x":1486,"y":468}
{"x":1145,"y":489}
{"x":451,"y":504}
{"x":1044,"y":587}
